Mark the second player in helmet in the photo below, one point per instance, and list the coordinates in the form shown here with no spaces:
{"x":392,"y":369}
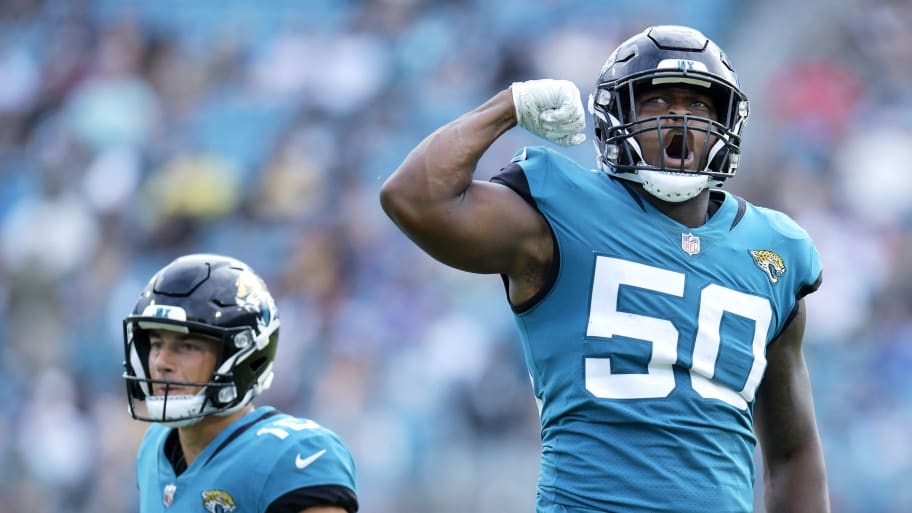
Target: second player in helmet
{"x":200,"y":346}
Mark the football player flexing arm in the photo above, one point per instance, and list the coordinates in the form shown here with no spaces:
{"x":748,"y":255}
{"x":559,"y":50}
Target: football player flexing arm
{"x":661,"y":317}
{"x":200,"y":345}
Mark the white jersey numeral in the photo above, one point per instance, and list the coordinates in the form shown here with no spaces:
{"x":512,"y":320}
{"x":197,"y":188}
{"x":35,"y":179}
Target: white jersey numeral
{"x":280,"y":427}
{"x":605,"y":321}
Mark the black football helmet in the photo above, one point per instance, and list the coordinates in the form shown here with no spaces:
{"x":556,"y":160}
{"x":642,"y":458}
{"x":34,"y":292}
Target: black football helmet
{"x":210,"y":296}
{"x":667,"y":55}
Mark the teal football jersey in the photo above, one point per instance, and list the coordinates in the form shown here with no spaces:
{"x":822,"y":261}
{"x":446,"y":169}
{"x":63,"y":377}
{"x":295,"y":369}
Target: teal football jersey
{"x":263,"y":462}
{"x":646,"y":352}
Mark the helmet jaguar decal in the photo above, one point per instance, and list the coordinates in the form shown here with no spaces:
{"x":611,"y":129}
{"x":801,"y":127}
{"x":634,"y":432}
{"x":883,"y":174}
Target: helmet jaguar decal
{"x":252,"y":295}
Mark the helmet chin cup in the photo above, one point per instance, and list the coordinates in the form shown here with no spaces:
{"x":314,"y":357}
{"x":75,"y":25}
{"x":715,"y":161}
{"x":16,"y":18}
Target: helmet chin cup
{"x":673,"y":187}
{"x":182,"y":411}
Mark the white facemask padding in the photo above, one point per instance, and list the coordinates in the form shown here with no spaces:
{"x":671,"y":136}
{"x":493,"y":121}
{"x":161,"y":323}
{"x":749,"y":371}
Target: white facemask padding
{"x":183,"y":410}
{"x":673,"y":187}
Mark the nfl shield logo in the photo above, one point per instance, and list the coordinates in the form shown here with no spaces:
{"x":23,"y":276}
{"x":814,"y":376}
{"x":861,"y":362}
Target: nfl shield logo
{"x":168,"y":498}
{"x":690,"y":243}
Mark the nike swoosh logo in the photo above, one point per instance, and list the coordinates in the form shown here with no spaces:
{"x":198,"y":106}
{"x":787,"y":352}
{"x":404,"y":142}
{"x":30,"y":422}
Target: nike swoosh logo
{"x":304,"y":462}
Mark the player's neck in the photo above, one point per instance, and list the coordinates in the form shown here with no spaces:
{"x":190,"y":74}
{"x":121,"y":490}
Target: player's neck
{"x":691,"y":213}
{"x":195,"y":438}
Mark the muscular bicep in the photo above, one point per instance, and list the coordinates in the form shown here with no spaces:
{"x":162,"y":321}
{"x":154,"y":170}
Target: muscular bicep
{"x":465,"y":223}
{"x":489,"y":228}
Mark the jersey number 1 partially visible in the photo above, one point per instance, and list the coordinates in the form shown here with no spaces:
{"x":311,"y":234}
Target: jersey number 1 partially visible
{"x":605,"y":321}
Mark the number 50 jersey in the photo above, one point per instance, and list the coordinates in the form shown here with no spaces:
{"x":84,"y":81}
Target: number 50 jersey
{"x":646,"y":351}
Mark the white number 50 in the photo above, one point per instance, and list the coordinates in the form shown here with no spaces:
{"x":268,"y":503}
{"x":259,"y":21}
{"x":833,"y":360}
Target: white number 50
{"x":605,"y":321}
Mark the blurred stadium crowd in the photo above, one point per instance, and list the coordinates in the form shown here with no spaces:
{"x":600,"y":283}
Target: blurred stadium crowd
{"x":132,"y":132}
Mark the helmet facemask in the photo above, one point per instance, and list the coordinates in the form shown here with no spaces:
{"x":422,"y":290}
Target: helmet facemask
{"x":668,"y":56}
{"x":618,"y":127}
{"x":217,"y":396}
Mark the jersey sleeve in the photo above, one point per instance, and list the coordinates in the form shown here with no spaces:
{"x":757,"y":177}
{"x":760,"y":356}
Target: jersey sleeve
{"x":802,"y":271}
{"x":529,"y":161}
{"x":809,"y":265}
{"x":314,"y":468}
{"x":535,"y":163}
{"x":814,"y":275}
{"x":513,"y":177}
{"x":300,"y":499}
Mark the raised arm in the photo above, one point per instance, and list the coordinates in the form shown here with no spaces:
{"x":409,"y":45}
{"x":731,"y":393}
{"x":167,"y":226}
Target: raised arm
{"x":473,"y":225}
{"x":794,"y":472}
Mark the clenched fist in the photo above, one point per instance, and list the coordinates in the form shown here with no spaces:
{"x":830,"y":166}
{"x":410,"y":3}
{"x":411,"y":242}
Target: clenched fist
{"x":551,"y":109}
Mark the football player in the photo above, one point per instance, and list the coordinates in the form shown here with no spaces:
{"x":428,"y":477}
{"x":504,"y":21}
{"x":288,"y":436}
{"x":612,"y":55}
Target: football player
{"x":661,"y":317}
{"x":200,"y":346}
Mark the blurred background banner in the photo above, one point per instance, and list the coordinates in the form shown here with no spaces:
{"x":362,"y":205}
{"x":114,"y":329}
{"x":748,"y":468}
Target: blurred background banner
{"x":132,"y":132}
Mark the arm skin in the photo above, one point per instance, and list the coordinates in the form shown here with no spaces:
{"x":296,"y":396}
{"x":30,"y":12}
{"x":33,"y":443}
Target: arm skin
{"x":794,"y":472}
{"x":324,"y":509}
{"x":468,"y":224}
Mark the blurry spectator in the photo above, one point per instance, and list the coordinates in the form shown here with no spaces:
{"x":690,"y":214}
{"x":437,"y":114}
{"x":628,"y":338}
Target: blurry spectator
{"x":131,"y":131}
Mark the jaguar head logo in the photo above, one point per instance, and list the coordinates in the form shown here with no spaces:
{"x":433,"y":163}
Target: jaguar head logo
{"x":769,"y":262}
{"x":253,"y":296}
{"x":218,"y":501}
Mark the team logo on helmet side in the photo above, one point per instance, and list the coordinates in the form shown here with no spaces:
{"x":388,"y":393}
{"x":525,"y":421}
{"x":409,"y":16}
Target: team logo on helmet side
{"x":769,"y":262}
{"x":253,"y":295}
{"x":218,"y":501}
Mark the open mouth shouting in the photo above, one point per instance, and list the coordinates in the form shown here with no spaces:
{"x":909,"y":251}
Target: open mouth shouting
{"x":679,"y":150}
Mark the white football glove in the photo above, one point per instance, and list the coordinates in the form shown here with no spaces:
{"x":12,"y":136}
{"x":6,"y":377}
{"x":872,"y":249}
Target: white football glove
{"x":551,"y":109}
